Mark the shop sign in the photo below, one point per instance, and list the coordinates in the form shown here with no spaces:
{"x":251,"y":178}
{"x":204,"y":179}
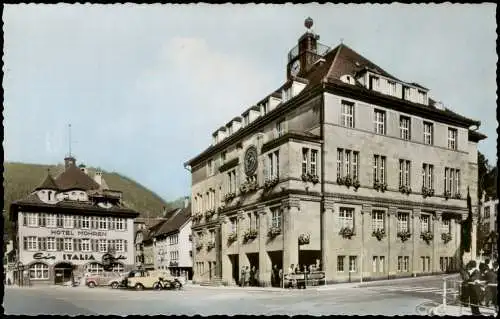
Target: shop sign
{"x":38,"y":256}
{"x":78,"y":257}
{"x":81,"y":233}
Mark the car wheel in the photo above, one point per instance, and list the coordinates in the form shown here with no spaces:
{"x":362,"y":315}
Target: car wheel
{"x":114,"y":285}
{"x":91,"y":284}
{"x":157,"y":286}
{"x":178,"y":285}
{"x":139,"y":287}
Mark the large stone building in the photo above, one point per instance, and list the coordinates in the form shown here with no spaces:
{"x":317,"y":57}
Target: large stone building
{"x":71,"y":225}
{"x":345,"y":164}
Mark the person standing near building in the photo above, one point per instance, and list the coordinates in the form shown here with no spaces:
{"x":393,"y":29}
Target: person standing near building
{"x":490,"y":293}
{"x":247,"y":276}
{"x":242,"y":277}
{"x":474,"y":288}
{"x":280,"y":277}
{"x":252,"y":276}
{"x":274,"y":275}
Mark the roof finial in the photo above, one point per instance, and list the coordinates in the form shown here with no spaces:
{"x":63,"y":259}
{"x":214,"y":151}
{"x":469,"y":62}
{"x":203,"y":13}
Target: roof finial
{"x":341,"y":40}
{"x":308,"y":23}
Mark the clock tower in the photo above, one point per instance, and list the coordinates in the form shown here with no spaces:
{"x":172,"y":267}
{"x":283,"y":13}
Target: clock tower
{"x":305,"y":54}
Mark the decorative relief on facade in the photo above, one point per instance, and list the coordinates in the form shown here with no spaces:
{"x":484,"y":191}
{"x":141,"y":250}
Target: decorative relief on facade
{"x":251,"y":160}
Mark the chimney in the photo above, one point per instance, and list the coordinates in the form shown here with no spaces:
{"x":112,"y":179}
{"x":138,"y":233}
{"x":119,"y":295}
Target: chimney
{"x":69,"y":161}
{"x":98,"y":176}
{"x":186,"y":201}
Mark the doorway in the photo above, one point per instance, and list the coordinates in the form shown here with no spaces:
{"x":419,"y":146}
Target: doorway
{"x":253,"y":260}
{"x":63,"y":272}
{"x":235,"y":272}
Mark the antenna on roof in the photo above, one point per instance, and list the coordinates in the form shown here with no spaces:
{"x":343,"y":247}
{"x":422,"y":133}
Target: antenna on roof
{"x":69,"y":139}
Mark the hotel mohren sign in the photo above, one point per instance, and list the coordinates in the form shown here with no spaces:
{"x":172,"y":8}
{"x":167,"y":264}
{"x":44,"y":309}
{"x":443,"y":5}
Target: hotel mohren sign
{"x":79,"y":233}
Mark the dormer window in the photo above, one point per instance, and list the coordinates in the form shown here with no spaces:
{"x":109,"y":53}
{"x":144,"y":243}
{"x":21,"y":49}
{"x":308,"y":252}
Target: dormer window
{"x":246,"y":119}
{"x":374,"y":82}
{"x":346,"y":78}
{"x":287,"y":94}
{"x":407,"y":93}
{"x":280,"y":127}
{"x":421,"y":97}
{"x":391,"y":88}
{"x":230,"y":129}
{"x":263,"y":109}
{"x":210,"y":167}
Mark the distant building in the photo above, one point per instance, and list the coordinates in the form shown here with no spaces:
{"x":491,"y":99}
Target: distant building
{"x":141,"y":230}
{"x":173,"y":243}
{"x":345,"y":165}
{"x":489,"y":215}
{"x":71,"y":225}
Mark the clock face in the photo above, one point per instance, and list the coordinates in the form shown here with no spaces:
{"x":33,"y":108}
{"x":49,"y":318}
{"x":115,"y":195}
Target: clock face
{"x":295,"y":68}
{"x":250,"y":160}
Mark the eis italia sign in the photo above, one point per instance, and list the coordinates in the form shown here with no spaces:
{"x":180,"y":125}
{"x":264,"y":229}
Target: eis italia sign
{"x":77,"y":257}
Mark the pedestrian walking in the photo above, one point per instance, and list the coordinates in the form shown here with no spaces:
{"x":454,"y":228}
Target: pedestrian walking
{"x":280,"y":277}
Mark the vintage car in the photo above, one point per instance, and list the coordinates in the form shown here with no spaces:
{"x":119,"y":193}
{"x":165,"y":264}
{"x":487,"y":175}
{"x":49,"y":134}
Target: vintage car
{"x":100,"y":279}
{"x":142,"y":279}
{"x":118,"y":282}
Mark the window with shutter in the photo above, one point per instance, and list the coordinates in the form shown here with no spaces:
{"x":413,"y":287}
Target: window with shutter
{"x":25,"y":242}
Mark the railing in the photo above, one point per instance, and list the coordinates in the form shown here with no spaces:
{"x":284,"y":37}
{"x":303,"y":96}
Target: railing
{"x":321,"y":50}
{"x":453,"y":294}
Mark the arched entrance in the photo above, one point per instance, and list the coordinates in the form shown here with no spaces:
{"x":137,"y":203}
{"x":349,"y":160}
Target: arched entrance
{"x":63,"y":272}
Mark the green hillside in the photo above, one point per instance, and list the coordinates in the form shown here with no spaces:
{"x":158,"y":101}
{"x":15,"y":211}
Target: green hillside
{"x":20,"y":179}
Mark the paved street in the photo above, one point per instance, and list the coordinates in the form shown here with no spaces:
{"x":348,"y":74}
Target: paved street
{"x":371,"y":298}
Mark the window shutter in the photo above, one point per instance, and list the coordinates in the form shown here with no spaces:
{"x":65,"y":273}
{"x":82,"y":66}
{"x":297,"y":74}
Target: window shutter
{"x":125,"y":245}
{"x":112,"y":223}
{"x":40,"y":222}
{"x":39,"y":243}
{"x":25,"y":242}
{"x":92,"y":244}
{"x":25,"y":219}
{"x":44,"y":243}
{"x":125,"y":223}
{"x":75,"y":244}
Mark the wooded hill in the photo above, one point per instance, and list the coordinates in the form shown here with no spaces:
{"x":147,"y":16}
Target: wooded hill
{"x":20,"y":179}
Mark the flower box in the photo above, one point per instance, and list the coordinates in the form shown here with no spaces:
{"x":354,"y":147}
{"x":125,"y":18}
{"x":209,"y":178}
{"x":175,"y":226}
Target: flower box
{"x":220,"y":209}
{"x":271,"y":182}
{"x":447,"y":195}
{"x":304,"y":239}
{"x":347,"y":232}
{"x":427,"y":236}
{"x":446,"y":237}
{"x":458,"y":196}
{"x":199,"y":246}
{"x":356,"y":184}
{"x":250,"y":235}
{"x":379,"y":234}
{"x":210,"y":245}
{"x":403,"y":189}
{"x":347,"y":181}
{"x":340,"y":180}
{"x":380,"y":186}
{"x":273,"y":232}
{"x":232,"y":237}
{"x":249,"y":186}
{"x":209,"y":213}
{"x":229,"y":197}
{"x":427,"y":192}
{"x":404,"y":235}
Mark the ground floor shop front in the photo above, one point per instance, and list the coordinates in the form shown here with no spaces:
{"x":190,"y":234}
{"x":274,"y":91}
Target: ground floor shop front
{"x":61,"y":273}
{"x":348,"y":240}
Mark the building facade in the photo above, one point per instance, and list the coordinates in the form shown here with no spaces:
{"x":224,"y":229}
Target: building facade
{"x":344,"y":164}
{"x":173,"y":243}
{"x":489,"y":213}
{"x":70,"y":226}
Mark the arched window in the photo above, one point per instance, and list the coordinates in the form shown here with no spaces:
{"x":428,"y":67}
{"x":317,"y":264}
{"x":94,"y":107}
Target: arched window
{"x":94,"y":268}
{"x":39,"y":271}
{"x":117,"y":267}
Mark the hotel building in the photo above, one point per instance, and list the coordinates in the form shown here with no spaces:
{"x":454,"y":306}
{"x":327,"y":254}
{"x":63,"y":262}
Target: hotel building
{"x":345,"y":164}
{"x":72,"y":225}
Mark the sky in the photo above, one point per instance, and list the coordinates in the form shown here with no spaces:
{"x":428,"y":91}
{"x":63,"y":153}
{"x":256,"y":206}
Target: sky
{"x":145,"y":86}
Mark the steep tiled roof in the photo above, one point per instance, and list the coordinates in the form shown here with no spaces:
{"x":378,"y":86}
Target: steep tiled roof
{"x":74,"y":178}
{"x":175,"y":222}
{"x":151,"y":232}
{"x":48,"y":183}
